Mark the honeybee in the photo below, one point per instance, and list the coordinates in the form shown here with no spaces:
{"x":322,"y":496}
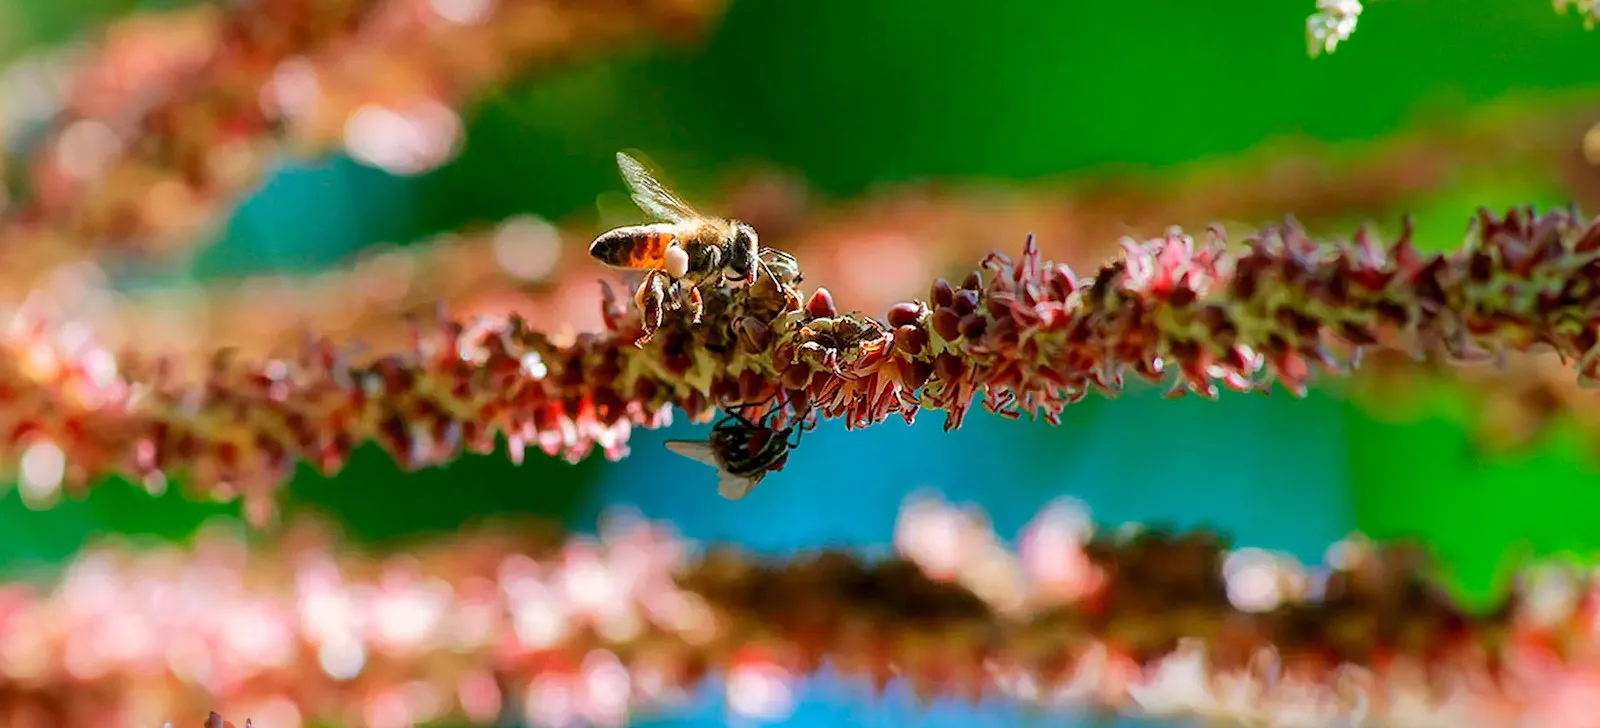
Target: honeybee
{"x":680,"y":254}
{"x":743,"y":451}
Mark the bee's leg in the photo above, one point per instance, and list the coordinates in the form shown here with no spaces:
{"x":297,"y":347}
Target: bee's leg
{"x":649,"y":297}
{"x":671,"y":295}
{"x":697,"y":303}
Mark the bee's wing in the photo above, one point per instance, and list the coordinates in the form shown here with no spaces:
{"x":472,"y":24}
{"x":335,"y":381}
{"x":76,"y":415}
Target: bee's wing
{"x":734,"y":487}
{"x":650,"y":195}
{"x":697,"y":450}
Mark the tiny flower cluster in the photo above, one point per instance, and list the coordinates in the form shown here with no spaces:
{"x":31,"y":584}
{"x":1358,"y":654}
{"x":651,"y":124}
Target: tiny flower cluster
{"x":593,"y":631}
{"x":1331,"y":25}
{"x":1029,"y":336}
{"x":383,"y":77}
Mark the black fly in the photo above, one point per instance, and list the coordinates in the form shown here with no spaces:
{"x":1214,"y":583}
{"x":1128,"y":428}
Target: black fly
{"x":743,"y":450}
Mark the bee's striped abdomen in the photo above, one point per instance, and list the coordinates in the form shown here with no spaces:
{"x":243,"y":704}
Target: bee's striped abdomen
{"x":638,"y":246}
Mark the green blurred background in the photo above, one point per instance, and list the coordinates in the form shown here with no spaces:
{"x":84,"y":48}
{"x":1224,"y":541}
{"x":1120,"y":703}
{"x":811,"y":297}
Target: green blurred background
{"x":851,"y":94}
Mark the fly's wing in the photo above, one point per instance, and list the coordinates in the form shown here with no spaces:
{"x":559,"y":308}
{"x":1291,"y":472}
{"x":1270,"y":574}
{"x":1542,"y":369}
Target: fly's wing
{"x":696,"y":450}
{"x":730,"y":486}
{"x":733,"y":487}
{"x":650,"y":195}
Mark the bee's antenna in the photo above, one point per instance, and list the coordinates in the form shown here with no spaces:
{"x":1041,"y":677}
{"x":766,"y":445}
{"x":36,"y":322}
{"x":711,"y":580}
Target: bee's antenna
{"x":764,"y":266}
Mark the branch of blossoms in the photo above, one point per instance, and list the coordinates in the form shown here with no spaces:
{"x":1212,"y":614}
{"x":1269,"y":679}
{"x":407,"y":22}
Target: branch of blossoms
{"x":1335,"y":20}
{"x":142,"y":167}
{"x":522,"y":265}
{"x":1030,"y":336}
{"x":518,"y":623}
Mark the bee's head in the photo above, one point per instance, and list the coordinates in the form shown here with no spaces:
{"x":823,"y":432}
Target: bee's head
{"x":742,"y":250}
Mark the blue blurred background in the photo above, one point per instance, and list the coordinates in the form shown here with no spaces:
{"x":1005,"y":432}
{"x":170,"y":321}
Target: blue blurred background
{"x":853,"y":94}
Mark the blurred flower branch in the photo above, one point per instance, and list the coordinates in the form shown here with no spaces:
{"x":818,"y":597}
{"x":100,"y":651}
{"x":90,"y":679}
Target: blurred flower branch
{"x":560,"y":631}
{"x":173,"y":117}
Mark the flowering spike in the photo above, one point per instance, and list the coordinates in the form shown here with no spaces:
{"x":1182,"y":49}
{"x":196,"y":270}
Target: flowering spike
{"x":1180,"y":623}
{"x":1027,"y":338}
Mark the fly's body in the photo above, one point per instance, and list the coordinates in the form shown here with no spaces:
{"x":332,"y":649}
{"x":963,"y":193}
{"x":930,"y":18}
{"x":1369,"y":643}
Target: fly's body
{"x":742,"y":451}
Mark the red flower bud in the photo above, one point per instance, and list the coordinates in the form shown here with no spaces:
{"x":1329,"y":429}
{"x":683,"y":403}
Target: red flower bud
{"x":821,"y":304}
{"x":910,"y":339}
{"x":947,"y":324}
{"x":905,"y":314}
